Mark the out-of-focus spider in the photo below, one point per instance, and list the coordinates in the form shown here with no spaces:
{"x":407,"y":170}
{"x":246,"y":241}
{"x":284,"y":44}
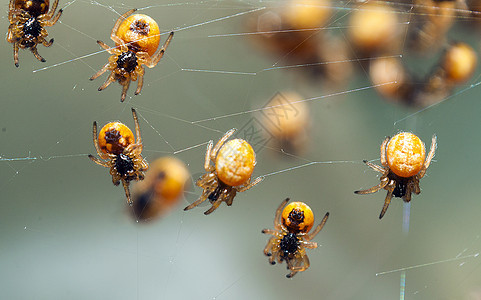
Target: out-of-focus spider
{"x":291,"y":236}
{"x":161,"y":190}
{"x":28,"y":19}
{"x":234,"y":163}
{"x":118,"y":150}
{"x":403,"y":165}
{"x":136,"y":40}
{"x":394,"y":82}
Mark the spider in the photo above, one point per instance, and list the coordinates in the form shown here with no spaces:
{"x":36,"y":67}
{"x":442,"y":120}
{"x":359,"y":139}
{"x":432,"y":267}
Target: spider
{"x":393,"y":81}
{"x":287,"y":119}
{"x":403,"y":165}
{"x":288,"y":33}
{"x":161,"y":190}
{"x":28,"y":19}
{"x":456,"y":66}
{"x":234,"y":163}
{"x":117,"y":145}
{"x":136,"y":41}
{"x":291,"y":236}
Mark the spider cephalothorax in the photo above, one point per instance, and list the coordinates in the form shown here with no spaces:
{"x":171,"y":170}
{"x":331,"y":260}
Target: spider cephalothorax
{"x":124,"y":165}
{"x":28,"y":19}
{"x":403,"y":165}
{"x":291,"y":236}
{"x":289,"y":245}
{"x":118,"y":151}
{"x":136,"y":40}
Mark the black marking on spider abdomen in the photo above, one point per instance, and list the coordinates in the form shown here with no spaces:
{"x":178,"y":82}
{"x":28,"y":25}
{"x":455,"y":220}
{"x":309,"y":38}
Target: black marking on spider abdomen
{"x":32,"y":28}
{"x":140,"y":27}
{"x":127,"y":61}
{"x":296,"y":216}
{"x":289,"y":245}
{"x":124,"y":165}
{"x":112,"y":136}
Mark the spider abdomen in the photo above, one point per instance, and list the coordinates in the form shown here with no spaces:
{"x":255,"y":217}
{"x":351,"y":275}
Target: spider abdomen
{"x":298,"y":217}
{"x":140,"y":33}
{"x":235,"y":162}
{"x":114,"y":137}
{"x":405,"y":154}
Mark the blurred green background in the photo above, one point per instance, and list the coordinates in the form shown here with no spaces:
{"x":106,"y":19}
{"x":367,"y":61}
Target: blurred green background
{"x":65,"y":230}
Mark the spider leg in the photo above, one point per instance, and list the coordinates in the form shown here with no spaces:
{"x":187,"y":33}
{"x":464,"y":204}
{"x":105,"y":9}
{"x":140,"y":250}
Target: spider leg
{"x":390,"y":189}
{"x":10,"y":35}
{"x":268,"y":250}
{"x":221,"y":142}
{"x":310,"y":245}
{"x":134,"y":149}
{"x":106,"y":47}
{"x":15,"y":54}
{"x":137,"y":127}
{"x":303,"y":265}
{"x":384,"y":182}
{"x":383,"y":151}
{"x":230,"y":199}
{"x":52,"y":22}
{"x":125,"y":88}
{"x":52,"y":9}
{"x":141,"y":81}
{"x":11,"y":11}
{"x":269,"y":231}
{"x":115,"y":176}
{"x":100,"y":72}
{"x":207,"y":165}
{"x":113,"y":34}
{"x":224,"y":197}
{"x":290,"y":266}
{"x":35,"y":53}
{"x":429,"y":158}
{"x":127,"y":191}
{"x":250,"y":185}
{"x":201,"y":199}
{"x":98,"y":161}
{"x":374,"y":166}
{"x":277,"y":223}
{"x":214,"y":206}
{"x":407,"y":196}
{"x":318,"y":228}
{"x":144,"y":165}
{"x":416,"y":188}
{"x":156,"y":58}
{"x":107,"y":82}
{"x":47,"y":43}
{"x":96,"y":142}
{"x":55,"y":19}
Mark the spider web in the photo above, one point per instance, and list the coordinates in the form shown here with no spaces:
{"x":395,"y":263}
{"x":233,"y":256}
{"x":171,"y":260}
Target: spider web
{"x":63,"y":222}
